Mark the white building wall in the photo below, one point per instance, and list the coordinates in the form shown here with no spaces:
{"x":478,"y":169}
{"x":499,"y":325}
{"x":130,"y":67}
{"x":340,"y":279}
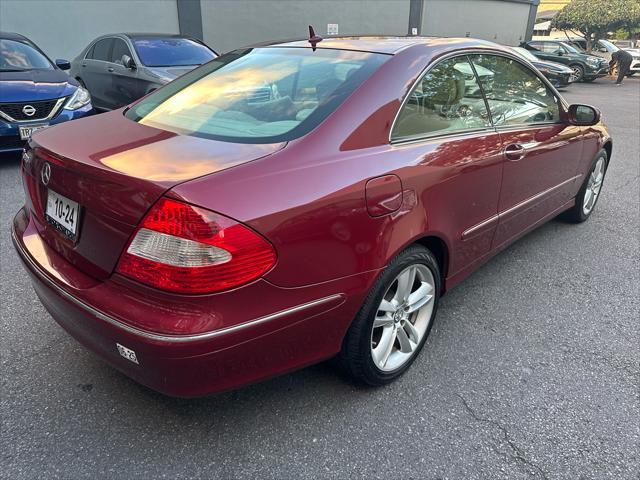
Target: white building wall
{"x":62,"y":28}
{"x":229,"y":24}
{"x":498,"y":21}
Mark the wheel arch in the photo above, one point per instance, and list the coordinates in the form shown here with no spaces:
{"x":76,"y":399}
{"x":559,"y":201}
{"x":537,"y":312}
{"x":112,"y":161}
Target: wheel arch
{"x":440,"y":250}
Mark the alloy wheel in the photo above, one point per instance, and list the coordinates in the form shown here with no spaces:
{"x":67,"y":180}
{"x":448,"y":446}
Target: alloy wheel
{"x":594,"y":184}
{"x":577,"y":73}
{"x":403,"y":318}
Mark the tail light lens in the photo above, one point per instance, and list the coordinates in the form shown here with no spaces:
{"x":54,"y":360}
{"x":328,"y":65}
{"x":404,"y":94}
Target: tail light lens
{"x":186,"y":249}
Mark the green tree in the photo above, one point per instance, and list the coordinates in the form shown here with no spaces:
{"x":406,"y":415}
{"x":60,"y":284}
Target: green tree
{"x":595,"y":18}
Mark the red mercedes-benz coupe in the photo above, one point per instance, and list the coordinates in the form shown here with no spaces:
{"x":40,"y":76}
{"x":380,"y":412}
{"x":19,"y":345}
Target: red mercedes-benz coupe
{"x":287,"y":203}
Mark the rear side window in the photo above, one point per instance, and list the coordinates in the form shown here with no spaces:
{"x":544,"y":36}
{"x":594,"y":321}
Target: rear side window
{"x":120,"y":48}
{"x":515,"y":94}
{"x":549,"y":47}
{"x":447,"y":99}
{"x":101,"y":50}
{"x":259,"y":95}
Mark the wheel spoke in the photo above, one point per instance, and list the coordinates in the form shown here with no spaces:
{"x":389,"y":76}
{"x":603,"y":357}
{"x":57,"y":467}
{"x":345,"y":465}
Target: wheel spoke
{"x":405,"y":344}
{"x":599,"y":170}
{"x":384,"y":321}
{"x":596,"y":189}
{"x":420,"y":297}
{"x":385,"y":346}
{"x":387,"y":306}
{"x":413,"y":334}
{"x":587,"y":198}
{"x":405,"y":283}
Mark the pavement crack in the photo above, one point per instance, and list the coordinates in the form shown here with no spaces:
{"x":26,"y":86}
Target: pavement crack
{"x":518,"y":455}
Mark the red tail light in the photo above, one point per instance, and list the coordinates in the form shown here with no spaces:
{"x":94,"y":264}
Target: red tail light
{"x":186,"y":249}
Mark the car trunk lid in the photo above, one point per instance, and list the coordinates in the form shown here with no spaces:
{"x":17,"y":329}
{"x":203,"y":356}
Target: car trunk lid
{"x":116,"y":169}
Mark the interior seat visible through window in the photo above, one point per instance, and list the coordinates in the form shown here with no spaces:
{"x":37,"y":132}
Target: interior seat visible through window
{"x":447,"y":99}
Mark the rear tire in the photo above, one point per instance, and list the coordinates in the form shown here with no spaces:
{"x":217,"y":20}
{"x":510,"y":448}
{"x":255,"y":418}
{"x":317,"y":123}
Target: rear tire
{"x":395,"y":319}
{"x":589,"y":192}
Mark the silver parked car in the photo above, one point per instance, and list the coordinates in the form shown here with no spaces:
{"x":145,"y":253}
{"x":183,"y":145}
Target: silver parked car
{"x":120,"y":68}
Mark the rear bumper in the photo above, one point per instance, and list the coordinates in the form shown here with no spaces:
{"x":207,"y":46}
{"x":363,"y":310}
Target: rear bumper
{"x":241,"y":351}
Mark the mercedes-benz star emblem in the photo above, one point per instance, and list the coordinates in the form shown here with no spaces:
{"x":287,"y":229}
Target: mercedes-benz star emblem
{"x":45,"y":174}
{"x":29,"y":110}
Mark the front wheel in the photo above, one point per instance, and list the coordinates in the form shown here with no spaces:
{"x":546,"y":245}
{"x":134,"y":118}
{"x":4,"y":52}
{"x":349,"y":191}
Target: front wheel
{"x":578,"y":72}
{"x":395,"y":319}
{"x":589,"y":192}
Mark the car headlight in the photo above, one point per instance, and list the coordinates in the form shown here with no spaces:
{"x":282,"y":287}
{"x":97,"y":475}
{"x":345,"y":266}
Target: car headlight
{"x":79,"y":99}
{"x":593,"y":62}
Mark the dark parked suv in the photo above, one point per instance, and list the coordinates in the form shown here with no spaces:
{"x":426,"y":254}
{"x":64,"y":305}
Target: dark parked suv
{"x":586,"y":68}
{"x":120,"y":68}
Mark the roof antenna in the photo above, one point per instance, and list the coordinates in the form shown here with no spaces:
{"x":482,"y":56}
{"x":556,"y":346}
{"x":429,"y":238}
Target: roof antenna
{"x":313,"y":38}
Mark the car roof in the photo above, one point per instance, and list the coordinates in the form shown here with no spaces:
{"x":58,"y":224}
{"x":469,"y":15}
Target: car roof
{"x":389,"y":45}
{"x":154,"y":35}
{"x":12,"y":36}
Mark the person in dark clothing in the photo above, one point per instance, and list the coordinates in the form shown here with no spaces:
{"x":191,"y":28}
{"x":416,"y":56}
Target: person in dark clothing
{"x":623,"y":59}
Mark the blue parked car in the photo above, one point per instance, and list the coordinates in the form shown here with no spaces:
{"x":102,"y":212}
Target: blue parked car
{"x":34,"y":92}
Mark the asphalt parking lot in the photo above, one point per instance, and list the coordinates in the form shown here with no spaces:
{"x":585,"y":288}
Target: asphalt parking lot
{"x":532,"y":371}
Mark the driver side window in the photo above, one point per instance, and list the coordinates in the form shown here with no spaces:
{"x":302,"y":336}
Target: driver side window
{"x":447,"y":99}
{"x":515,"y":94}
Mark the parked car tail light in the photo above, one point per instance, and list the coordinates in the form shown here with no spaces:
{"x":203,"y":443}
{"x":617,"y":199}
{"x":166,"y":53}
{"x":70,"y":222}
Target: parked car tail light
{"x":187,"y":249}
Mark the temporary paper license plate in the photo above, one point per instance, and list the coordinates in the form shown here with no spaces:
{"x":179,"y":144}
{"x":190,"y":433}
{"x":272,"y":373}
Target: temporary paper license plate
{"x":63,"y":213}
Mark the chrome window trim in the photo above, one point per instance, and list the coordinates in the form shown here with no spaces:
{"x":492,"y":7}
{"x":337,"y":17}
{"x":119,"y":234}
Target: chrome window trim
{"x":468,"y":52}
{"x":437,"y":136}
{"x":53,"y":113}
{"x":164,"y":338}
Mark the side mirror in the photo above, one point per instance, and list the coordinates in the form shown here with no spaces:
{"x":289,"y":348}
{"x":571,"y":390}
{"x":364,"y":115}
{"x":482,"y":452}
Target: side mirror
{"x":63,"y":64}
{"x":128,"y":62}
{"x":583,"y":115}
{"x":560,"y":53}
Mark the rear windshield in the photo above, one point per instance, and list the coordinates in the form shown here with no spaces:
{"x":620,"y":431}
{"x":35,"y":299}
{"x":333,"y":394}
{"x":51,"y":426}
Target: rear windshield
{"x":171,"y":52}
{"x":260,"y":95}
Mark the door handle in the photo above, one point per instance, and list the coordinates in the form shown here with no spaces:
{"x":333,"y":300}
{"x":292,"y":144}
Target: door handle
{"x":84,"y":64}
{"x":110,"y":69}
{"x":514,"y":152}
